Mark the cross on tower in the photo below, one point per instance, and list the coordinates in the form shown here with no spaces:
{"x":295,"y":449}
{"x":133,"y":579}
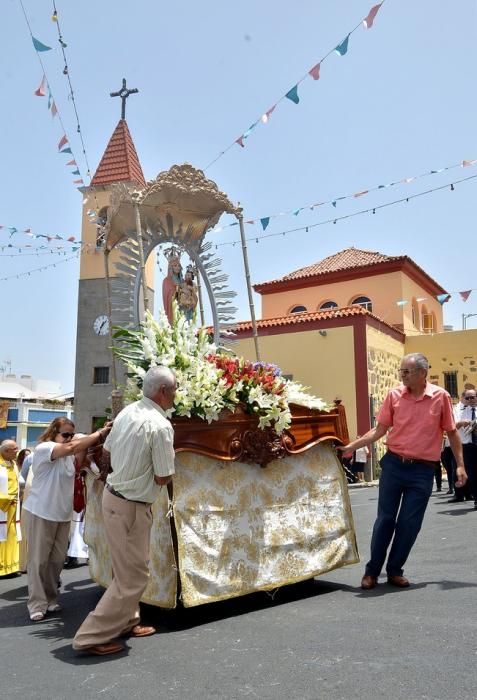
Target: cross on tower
{"x":123,"y":94}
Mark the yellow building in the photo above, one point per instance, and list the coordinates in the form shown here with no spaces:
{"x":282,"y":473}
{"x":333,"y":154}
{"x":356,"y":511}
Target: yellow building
{"x":342,"y":325}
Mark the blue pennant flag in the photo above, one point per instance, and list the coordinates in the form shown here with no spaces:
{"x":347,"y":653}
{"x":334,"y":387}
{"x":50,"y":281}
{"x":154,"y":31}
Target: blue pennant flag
{"x":442,"y":298}
{"x":334,"y":204}
{"x":265,"y":221}
{"x":76,"y":172}
{"x":67,"y":150}
{"x":342,"y":48}
{"x":293,"y":94}
{"x":39,"y":46}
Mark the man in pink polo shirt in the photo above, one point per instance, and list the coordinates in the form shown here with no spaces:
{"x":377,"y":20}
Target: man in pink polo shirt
{"x":414,"y":416}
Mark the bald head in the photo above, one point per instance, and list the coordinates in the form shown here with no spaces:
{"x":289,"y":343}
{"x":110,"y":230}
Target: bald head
{"x":8,"y":449}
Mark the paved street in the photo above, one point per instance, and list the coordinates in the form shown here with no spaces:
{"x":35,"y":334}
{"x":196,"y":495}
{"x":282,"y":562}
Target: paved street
{"x":317,"y":640}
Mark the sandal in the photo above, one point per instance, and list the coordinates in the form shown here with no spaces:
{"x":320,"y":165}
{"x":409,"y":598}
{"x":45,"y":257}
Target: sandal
{"x":37,"y":616}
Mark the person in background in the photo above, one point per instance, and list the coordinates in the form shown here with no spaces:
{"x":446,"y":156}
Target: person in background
{"x":465,"y":414}
{"x":10,"y":532}
{"x":447,"y":459}
{"x":48,"y":509}
{"x":360,"y":459}
{"x":141,"y":444}
{"x":22,"y":456}
{"x":416,"y":414}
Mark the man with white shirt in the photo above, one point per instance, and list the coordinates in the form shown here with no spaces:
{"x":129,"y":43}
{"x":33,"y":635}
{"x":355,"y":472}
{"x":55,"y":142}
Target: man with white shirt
{"x":465,"y":414}
{"x":142,"y":460}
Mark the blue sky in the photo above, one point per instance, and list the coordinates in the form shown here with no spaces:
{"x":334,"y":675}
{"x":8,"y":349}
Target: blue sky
{"x":401,"y":102}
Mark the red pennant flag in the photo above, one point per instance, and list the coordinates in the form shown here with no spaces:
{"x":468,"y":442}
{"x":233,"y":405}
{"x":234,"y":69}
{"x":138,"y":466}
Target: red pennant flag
{"x":267,"y":115}
{"x":360,"y":194}
{"x":71,"y":239}
{"x":40,"y":92}
{"x":465,"y":295}
{"x":369,"y":20}
{"x":72,"y":162}
{"x":63,"y":139}
{"x":27,"y":230}
{"x":78,"y":182}
{"x":240,"y":142}
{"x":466,"y":163}
{"x":315,"y":72}
{"x":54,"y":111}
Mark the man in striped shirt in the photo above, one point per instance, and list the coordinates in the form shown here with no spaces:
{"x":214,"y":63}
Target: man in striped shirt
{"x":142,"y":459}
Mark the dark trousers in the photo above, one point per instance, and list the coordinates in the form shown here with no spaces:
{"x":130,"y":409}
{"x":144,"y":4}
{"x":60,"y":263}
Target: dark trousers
{"x":448,"y":460}
{"x":438,"y":475}
{"x":469,"y":491}
{"x":404,"y":492}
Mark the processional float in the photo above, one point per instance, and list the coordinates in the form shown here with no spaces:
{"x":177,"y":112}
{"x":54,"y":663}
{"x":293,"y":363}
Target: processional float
{"x":250,"y":509}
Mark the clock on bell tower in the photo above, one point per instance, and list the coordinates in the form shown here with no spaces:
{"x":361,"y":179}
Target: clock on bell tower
{"x":94,"y":375}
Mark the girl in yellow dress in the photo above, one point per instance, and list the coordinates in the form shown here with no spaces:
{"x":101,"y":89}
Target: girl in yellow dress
{"x":10,"y":534}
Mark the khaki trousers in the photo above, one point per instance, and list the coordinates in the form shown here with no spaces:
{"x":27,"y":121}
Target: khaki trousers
{"x":47,"y":545}
{"x":128,"y":528}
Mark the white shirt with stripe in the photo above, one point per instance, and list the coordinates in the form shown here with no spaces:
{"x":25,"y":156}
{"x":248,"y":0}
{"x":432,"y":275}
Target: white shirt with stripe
{"x":141,"y":444}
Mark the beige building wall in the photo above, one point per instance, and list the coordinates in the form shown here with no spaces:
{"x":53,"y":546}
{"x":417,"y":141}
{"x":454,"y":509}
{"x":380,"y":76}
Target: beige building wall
{"x":414,"y":310}
{"x":455,"y":351}
{"x":324,"y":363}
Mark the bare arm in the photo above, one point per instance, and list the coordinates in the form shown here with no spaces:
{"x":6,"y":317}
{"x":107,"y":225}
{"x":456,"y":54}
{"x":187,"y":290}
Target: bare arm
{"x":371,"y":436}
{"x":456,"y":446}
{"x":79,"y":444}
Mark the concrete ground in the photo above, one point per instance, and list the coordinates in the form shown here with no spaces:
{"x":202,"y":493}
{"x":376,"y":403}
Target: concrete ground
{"x":323,"y":639}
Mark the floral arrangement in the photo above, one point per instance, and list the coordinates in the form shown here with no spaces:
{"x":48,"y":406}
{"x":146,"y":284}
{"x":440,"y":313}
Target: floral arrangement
{"x":208,"y":382}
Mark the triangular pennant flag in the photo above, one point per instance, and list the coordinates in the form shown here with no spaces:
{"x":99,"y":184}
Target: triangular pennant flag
{"x":50,"y":98}
{"x":67,"y":150}
{"x":240,"y":142}
{"x":76,"y":172}
{"x":71,"y":239}
{"x":265,"y":221}
{"x":402,"y":302}
{"x":73,"y":162}
{"x":315,"y":72}
{"x":54,"y":111}
{"x":293,"y":94}
{"x":442,"y":298}
{"x":466,"y":163}
{"x":369,"y":20}
{"x":360,"y":194}
{"x":334,"y":204}
{"x":465,"y":295}
{"x":62,"y":142}
{"x":295,"y":212}
{"x":342,"y":48}
{"x":39,"y":46}
{"x":40,"y":92}
{"x":265,"y":117}
{"x":78,"y":182}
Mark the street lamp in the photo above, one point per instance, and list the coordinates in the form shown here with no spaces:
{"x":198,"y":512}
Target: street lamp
{"x":464,"y":320}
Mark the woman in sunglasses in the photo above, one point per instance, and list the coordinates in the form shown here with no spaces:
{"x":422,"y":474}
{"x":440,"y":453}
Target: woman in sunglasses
{"x":48,"y":509}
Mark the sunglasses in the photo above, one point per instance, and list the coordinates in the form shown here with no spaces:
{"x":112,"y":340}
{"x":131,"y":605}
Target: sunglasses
{"x":67,"y":435}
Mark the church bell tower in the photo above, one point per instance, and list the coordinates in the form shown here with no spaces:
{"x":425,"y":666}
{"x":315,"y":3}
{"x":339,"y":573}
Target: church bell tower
{"x":94,"y":373}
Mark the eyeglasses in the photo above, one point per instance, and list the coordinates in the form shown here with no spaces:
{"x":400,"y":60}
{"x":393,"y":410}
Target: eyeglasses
{"x":406,"y":371}
{"x":67,"y":435}
{"x":470,"y":398}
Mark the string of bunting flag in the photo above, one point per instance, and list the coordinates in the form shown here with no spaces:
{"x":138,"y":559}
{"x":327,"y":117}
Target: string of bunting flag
{"x":265,"y":220}
{"x":441,"y":298}
{"x":448,"y":186}
{"x":37,"y":269}
{"x":314,"y":73}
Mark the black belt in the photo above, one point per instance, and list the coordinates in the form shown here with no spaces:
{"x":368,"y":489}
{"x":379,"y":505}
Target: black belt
{"x":120,"y":495}
{"x":415,"y":460}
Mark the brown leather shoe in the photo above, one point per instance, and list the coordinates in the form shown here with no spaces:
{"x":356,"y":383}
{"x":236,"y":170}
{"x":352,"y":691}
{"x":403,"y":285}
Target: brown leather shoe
{"x":104,"y":649}
{"x":399,"y":581}
{"x":368,"y":582}
{"x":142,"y":631}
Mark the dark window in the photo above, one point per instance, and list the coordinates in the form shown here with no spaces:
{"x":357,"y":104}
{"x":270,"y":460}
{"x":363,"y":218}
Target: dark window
{"x":329,"y":305}
{"x":365,"y":302}
{"x":298,"y":309}
{"x":100,"y":232}
{"x":450,"y":384}
{"x":101,"y":375}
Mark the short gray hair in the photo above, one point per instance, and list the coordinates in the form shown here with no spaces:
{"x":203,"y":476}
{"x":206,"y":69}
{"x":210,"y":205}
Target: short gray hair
{"x":7,"y":444}
{"x":156,"y":377}
{"x":420,"y":360}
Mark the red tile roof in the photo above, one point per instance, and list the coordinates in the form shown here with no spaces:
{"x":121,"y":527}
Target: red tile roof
{"x":348,"y":260}
{"x":120,"y":162}
{"x":307,"y":317}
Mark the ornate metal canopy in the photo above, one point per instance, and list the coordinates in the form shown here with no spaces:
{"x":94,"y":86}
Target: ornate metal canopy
{"x":178,"y":207}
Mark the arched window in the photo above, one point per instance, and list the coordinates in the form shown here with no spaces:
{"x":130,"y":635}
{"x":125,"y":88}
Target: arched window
{"x":365,"y":302}
{"x":298,"y":309}
{"x":415,"y":314}
{"x":329,"y":305}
